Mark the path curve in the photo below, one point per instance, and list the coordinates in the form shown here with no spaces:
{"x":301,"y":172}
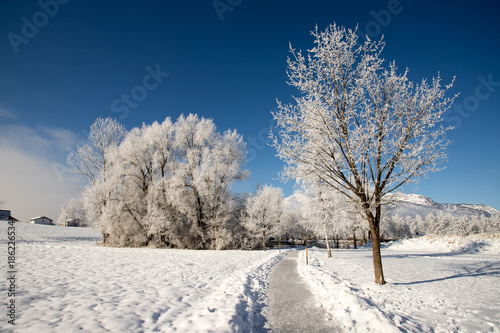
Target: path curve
{"x":292,"y":307}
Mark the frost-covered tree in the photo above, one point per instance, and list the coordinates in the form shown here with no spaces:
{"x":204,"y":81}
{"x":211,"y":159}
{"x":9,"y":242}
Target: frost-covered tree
{"x":417,"y":225}
{"x":465,"y":226}
{"x":395,"y":226}
{"x":294,"y":217}
{"x":210,"y":163}
{"x":321,"y":209}
{"x":132,"y":176}
{"x":90,"y":160}
{"x":264,"y":211}
{"x":489,"y":224}
{"x":361,"y":127}
{"x":74,"y":210}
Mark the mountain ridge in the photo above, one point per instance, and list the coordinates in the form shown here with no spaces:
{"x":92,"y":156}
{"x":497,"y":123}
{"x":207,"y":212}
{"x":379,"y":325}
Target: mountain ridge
{"x":413,"y":204}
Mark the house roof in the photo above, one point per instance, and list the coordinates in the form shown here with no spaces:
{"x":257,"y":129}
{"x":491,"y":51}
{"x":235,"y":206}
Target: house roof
{"x":8,"y":218}
{"x":41,"y":217}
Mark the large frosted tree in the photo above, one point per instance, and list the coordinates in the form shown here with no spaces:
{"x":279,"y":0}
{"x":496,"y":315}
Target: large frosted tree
{"x":168,"y":184}
{"x":359,"y":126}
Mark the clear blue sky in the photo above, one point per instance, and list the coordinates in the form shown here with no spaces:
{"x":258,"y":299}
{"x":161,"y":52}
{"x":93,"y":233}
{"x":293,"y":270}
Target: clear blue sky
{"x":62,"y":67}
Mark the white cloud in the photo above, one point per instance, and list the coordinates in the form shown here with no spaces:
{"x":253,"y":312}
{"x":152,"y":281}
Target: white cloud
{"x":33,"y":173}
{"x":6,"y":114}
{"x":53,"y":143}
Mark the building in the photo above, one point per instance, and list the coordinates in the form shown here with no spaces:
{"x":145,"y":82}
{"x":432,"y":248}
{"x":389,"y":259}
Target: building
{"x":42,"y":220}
{"x":5,"y":216}
{"x":71,"y":223}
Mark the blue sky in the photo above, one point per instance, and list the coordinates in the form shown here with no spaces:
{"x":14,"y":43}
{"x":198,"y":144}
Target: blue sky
{"x":64,"y":65}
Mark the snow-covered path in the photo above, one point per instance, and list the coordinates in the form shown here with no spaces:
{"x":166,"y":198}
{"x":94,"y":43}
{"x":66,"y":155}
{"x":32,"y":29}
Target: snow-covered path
{"x":292,"y":307}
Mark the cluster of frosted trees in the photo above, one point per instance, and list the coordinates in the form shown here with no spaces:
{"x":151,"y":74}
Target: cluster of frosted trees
{"x":164,"y":184}
{"x":324,"y":214}
{"x":395,"y":226}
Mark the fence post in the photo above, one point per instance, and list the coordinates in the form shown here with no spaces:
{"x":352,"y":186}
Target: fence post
{"x":307,"y":257}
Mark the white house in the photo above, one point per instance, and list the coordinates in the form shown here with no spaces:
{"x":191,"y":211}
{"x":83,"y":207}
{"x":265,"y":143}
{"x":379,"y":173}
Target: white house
{"x":41,"y":220}
{"x":71,"y":223}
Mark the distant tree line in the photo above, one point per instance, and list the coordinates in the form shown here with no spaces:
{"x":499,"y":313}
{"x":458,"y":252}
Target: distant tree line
{"x":396,"y":226}
{"x":169,"y":185}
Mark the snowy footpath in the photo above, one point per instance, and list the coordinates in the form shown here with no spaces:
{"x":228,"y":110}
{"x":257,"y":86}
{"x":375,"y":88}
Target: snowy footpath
{"x":65,"y":283}
{"x":435,"y":284}
{"x":292,"y":307}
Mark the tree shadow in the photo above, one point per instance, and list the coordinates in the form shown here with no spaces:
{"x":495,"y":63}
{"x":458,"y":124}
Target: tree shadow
{"x":473,"y":270}
{"x":426,"y":255}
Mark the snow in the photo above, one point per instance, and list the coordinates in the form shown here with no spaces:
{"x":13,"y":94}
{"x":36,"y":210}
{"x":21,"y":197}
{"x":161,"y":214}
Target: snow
{"x":415,"y":199}
{"x":65,"y":283}
{"x":484,"y":243}
{"x":435,"y":284}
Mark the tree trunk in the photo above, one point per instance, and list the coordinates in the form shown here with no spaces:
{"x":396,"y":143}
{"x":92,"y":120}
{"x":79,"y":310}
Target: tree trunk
{"x":200,"y":218}
{"x":354,"y":238}
{"x":264,"y":241}
{"x":377,"y":257}
{"x":329,"y":251}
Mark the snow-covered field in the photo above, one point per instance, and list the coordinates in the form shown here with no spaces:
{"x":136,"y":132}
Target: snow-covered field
{"x":435,"y":284}
{"x":65,"y":283}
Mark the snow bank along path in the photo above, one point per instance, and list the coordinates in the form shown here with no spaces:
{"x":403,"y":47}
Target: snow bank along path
{"x":67,"y":284}
{"x":292,"y":307}
{"x":428,"y":290}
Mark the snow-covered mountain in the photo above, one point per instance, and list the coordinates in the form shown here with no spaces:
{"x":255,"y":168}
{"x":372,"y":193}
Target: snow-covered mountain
{"x":413,"y":204}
